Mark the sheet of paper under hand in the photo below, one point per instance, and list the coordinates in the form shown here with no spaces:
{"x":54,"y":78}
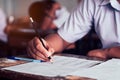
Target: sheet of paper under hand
{"x":60,"y":67}
{"x":109,"y":70}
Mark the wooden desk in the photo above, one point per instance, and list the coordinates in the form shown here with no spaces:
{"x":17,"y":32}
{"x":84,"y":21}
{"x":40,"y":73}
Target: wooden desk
{"x":22,"y":76}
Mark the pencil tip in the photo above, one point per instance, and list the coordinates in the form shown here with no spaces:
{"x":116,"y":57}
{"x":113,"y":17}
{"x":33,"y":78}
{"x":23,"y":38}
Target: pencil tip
{"x":49,"y":58}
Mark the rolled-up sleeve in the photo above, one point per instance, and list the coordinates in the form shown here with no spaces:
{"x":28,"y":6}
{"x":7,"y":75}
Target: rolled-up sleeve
{"x":78,"y":24}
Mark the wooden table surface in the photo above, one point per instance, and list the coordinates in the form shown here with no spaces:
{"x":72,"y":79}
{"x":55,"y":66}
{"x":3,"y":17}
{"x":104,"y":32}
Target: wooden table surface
{"x":11,"y":75}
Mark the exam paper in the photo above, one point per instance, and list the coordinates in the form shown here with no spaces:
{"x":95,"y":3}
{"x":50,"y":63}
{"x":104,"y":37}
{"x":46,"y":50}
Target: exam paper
{"x":60,"y":67}
{"x":109,"y":70}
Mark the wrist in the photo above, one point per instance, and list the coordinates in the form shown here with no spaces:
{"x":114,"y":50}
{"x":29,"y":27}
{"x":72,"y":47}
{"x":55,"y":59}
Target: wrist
{"x":107,"y":52}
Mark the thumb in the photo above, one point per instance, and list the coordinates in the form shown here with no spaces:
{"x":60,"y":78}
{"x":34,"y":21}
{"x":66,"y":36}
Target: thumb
{"x":49,"y":48}
{"x":51,"y":51}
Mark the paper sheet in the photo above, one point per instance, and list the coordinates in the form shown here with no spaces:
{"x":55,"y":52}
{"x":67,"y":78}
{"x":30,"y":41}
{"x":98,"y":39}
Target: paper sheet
{"x":109,"y":70}
{"x":60,"y":67}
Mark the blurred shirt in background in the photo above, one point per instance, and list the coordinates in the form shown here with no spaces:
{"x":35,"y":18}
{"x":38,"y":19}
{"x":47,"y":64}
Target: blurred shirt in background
{"x":3,"y":36}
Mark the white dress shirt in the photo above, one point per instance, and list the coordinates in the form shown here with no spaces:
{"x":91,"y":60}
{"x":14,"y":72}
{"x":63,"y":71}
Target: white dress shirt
{"x":104,"y":15}
{"x":62,"y":15}
{"x":3,"y":36}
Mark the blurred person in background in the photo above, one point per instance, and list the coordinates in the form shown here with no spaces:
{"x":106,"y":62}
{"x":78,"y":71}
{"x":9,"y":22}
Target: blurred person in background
{"x":3,"y":36}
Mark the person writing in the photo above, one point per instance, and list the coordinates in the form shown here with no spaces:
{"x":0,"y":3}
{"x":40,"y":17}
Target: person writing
{"x":104,"y":15}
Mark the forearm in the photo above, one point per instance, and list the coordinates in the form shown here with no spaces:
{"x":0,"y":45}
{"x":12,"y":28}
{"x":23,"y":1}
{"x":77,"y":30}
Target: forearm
{"x":114,"y":52}
{"x":56,"y":42}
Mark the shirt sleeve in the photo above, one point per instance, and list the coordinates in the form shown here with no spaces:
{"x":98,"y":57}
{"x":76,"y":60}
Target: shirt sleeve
{"x":78,"y":24}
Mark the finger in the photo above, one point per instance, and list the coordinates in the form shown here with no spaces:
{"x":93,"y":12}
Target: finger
{"x":33,"y":52}
{"x":34,"y":56}
{"x":97,"y":53}
{"x":38,"y":45}
{"x":51,"y":51}
{"x":30,"y":53}
{"x":35,"y":49}
{"x":38,"y":54}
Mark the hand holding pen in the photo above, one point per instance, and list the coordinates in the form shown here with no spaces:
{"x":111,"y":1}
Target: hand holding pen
{"x":38,"y":48}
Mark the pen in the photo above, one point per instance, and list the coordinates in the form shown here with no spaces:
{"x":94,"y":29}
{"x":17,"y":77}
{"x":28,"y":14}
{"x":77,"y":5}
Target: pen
{"x":24,"y":59}
{"x":37,"y":32}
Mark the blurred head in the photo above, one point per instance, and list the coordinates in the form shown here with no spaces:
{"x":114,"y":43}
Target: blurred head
{"x":36,"y":11}
{"x":51,"y":14}
{"x":43,"y":12}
